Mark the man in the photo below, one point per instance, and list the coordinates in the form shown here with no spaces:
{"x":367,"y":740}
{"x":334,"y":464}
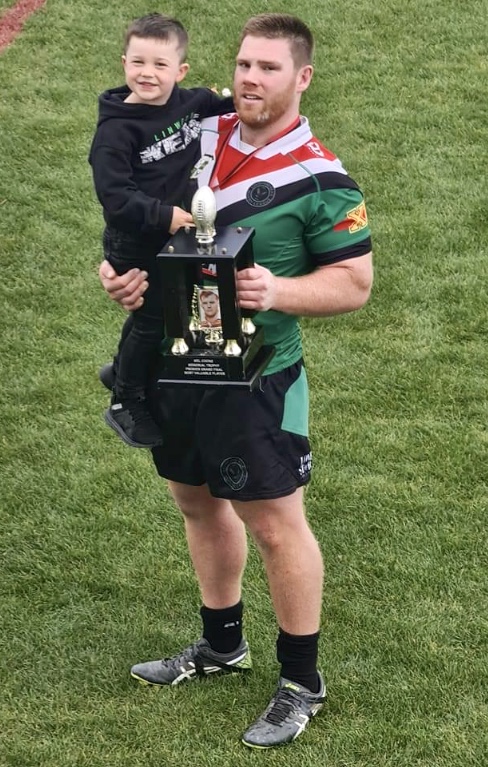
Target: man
{"x":313,"y":257}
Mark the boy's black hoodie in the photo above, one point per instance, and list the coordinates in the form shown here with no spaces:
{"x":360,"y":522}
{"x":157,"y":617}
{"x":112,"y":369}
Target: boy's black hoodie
{"x":142,"y":155}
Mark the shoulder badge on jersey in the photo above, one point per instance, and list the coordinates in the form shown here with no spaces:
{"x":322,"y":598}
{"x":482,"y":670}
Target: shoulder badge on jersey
{"x":318,"y":150}
{"x":357,"y":218}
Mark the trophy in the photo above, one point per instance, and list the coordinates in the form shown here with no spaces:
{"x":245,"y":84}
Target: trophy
{"x":210,"y":341}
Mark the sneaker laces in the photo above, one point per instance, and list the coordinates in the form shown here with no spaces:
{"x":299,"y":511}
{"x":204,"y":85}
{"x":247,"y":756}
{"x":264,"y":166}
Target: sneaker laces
{"x":138,"y":411}
{"x":188,"y":654}
{"x":281,"y":706}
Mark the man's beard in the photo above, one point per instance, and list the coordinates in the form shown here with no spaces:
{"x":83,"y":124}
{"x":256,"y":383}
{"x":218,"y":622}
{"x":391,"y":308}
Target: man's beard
{"x":269,"y":112}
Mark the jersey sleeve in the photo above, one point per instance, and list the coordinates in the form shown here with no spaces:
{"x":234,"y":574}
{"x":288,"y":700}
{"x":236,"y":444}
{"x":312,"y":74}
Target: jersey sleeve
{"x":339,"y":229}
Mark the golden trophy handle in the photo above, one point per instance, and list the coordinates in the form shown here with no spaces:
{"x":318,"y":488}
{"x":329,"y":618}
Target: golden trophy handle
{"x":232,"y":348}
{"x":248,"y":327}
{"x":180,"y":346}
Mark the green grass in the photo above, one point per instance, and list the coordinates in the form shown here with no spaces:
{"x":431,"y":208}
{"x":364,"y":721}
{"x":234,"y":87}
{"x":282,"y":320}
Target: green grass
{"x":94,"y":573}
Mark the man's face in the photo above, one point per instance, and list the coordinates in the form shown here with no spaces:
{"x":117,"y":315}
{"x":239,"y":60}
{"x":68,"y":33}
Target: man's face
{"x":210,"y":305}
{"x":152,"y":67}
{"x":267,"y":85}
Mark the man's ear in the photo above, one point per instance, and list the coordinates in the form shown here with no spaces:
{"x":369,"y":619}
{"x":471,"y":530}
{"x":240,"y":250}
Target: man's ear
{"x":182,"y":73}
{"x":304,"y":78}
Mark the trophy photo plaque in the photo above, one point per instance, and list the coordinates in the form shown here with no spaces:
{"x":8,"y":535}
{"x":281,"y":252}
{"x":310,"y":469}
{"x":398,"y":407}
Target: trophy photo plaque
{"x":210,"y":341}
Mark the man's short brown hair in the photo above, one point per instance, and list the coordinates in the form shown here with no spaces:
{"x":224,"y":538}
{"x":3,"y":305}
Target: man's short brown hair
{"x":286,"y":27}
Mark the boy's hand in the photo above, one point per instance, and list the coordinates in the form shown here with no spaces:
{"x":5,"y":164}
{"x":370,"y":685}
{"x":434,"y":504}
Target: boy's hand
{"x":180,"y":218}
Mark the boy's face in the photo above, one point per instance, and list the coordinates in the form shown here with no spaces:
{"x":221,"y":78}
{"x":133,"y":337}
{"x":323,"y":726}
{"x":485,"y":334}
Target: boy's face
{"x":152,"y":67}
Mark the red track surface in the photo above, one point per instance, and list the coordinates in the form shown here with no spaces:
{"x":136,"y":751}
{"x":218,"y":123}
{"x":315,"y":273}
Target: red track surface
{"x":13,"y":19}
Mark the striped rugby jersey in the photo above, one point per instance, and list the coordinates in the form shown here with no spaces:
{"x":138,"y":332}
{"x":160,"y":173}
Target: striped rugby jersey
{"x":305,"y":209}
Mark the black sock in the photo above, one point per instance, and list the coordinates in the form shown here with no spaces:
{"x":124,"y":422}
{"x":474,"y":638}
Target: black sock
{"x":298,"y":657}
{"x":222,"y":628}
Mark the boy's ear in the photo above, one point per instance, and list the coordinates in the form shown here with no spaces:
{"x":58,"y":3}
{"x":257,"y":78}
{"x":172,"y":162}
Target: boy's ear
{"x":182,"y":73}
{"x":123,"y":59}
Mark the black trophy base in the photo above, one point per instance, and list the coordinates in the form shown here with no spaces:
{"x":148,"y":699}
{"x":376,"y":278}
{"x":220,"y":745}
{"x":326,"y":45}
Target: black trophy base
{"x":213,"y":369}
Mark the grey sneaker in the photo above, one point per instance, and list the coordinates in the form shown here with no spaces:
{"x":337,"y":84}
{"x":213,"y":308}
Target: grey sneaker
{"x":197,"y":660}
{"x":290,"y":710}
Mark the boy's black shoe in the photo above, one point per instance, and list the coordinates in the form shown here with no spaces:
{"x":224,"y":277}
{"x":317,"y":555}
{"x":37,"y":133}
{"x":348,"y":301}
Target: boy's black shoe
{"x":290,"y":710}
{"x":132,"y":421}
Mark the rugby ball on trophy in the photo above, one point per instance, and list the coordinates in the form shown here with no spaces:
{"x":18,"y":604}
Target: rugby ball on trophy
{"x":204,"y":212}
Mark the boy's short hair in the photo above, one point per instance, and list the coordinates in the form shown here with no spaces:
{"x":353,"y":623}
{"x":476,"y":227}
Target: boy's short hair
{"x":286,"y":27}
{"x":158,"y":27}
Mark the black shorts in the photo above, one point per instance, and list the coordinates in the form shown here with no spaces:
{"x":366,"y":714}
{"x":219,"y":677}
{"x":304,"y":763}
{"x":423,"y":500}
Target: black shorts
{"x":246,"y":445}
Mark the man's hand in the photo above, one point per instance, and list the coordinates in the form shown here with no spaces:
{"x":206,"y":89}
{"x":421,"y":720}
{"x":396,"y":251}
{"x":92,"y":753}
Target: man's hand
{"x":256,"y":288}
{"x":127,"y":289}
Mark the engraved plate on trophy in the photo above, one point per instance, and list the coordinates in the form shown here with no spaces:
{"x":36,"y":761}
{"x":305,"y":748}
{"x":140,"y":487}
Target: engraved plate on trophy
{"x":210,"y":340}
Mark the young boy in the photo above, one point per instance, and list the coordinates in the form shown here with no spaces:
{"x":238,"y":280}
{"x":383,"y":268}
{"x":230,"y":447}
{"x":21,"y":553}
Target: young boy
{"x":146,"y":143}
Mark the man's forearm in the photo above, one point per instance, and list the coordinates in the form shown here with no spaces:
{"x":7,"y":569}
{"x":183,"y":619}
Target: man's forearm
{"x":335,"y":289}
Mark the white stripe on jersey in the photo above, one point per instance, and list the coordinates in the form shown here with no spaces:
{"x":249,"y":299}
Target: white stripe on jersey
{"x":235,"y":193}
{"x":287,"y":143}
{"x":299,"y":170}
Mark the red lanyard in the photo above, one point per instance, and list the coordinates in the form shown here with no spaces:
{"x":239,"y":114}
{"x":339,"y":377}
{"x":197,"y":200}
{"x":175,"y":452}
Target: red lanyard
{"x":244,"y":159}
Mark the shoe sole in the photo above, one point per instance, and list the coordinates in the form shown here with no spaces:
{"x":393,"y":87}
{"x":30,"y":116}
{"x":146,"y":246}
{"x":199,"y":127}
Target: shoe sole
{"x":313,"y":713}
{"x":188,"y":677}
{"x":145,"y":683}
{"x":115,"y":426}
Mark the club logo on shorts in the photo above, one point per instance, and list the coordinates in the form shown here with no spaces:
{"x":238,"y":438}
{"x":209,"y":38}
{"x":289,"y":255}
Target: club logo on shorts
{"x":234,"y":473}
{"x":305,"y":466}
{"x":260,"y":194}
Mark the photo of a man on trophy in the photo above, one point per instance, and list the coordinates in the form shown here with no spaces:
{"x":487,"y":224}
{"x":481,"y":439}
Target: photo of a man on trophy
{"x":209,"y":308}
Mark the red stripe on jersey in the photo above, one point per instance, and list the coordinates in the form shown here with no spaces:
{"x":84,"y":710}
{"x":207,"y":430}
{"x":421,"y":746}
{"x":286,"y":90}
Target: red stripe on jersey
{"x":313,"y":148}
{"x":230,"y":158}
{"x":230,"y":172}
{"x":342,"y":225}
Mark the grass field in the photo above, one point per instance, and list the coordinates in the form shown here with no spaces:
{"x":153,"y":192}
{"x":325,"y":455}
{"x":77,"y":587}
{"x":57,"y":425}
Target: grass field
{"x":94,"y":571}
